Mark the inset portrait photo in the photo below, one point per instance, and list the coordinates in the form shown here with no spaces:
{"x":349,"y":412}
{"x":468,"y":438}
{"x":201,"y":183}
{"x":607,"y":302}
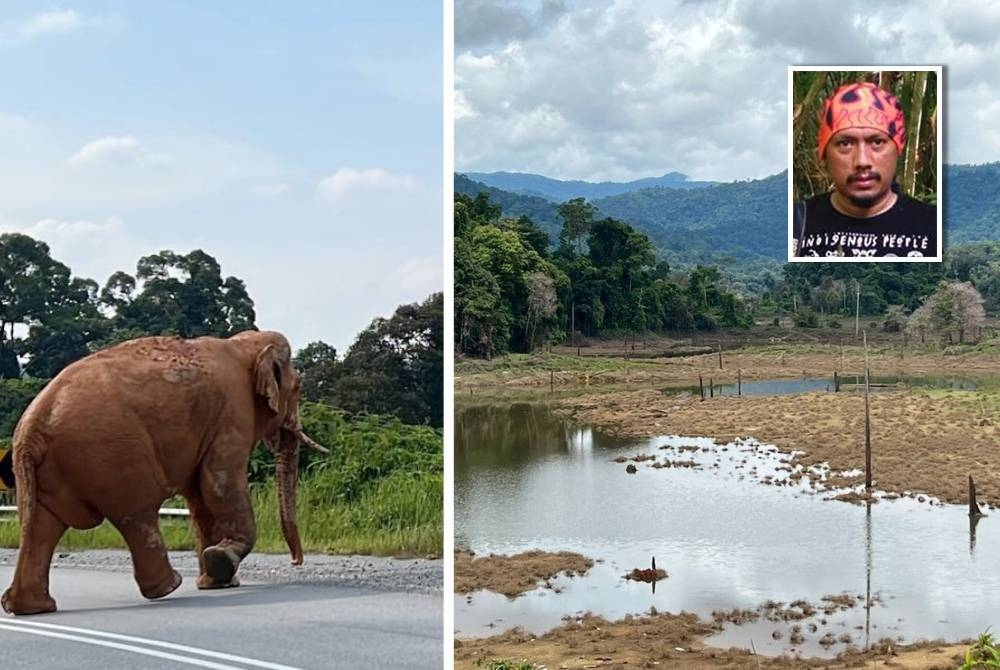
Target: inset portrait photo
{"x":864,"y":183}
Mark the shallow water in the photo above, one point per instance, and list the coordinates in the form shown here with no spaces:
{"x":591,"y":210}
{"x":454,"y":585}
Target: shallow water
{"x":525,"y":480}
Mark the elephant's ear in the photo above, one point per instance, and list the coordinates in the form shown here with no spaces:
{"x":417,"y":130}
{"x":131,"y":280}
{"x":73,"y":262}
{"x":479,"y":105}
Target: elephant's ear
{"x":266,"y":373}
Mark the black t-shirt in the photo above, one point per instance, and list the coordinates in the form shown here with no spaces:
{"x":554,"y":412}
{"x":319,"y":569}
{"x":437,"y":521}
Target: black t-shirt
{"x":907,"y":229}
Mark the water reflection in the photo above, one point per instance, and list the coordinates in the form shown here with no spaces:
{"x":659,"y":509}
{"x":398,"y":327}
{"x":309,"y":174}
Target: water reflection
{"x":868,"y":572}
{"x":532,"y":481}
{"x":511,"y":436}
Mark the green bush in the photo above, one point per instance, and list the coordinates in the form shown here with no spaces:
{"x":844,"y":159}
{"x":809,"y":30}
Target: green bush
{"x":806,"y":318}
{"x":983,"y":654}
{"x":15,"y":396}
{"x":367,"y":449}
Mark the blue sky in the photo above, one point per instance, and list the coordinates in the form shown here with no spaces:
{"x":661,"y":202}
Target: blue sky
{"x":299,"y":143}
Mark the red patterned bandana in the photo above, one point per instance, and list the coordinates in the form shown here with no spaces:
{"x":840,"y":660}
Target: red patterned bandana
{"x":862,"y":105}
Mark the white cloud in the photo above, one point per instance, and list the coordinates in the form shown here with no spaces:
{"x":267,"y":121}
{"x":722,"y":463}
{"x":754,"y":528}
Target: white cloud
{"x":54,"y":229}
{"x":620,"y":89}
{"x":50,"y":22}
{"x":91,"y":248}
{"x":107,"y":148}
{"x":119,"y":172}
{"x":479,"y":22}
{"x":347,"y":182}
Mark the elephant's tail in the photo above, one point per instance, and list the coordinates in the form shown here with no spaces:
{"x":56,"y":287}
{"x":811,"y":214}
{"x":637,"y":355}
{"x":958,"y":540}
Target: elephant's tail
{"x":28,"y":451}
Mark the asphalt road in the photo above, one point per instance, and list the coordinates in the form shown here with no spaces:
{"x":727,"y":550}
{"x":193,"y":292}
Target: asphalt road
{"x":103,"y":623}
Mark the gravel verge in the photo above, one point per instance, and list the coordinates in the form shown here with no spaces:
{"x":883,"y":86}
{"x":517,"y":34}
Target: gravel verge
{"x":416,"y":575}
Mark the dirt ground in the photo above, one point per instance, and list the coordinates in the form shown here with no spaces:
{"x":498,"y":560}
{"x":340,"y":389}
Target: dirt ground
{"x":921,"y":443}
{"x":673,"y":641}
{"x":772,"y":362}
{"x":514,"y":575}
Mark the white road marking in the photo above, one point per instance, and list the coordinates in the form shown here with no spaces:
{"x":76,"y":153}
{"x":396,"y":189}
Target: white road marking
{"x":65,"y":632}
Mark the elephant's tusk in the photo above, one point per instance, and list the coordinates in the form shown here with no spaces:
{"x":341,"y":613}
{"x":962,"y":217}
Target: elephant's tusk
{"x":308,"y":441}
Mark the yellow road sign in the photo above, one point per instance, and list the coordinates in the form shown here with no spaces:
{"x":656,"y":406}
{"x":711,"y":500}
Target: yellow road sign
{"x":6,"y":469}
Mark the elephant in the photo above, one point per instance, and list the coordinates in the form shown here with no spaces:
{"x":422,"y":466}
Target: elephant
{"x":117,"y":432}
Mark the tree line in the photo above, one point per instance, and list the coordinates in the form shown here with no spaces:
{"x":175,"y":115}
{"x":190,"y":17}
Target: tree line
{"x":940,"y":300}
{"x":49,"y":318}
{"x":514,"y":293}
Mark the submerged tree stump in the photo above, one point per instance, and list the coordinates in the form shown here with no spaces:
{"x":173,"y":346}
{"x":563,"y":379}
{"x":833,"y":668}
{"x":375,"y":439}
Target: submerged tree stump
{"x":649,"y":575}
{"x":974,"y":511}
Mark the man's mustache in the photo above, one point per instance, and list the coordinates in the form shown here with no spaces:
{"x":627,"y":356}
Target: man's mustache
{"x":868,"y":174}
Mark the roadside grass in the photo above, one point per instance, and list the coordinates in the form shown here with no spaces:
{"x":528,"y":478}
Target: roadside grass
{"x":380,"y":491}
{"x":400,"y":517}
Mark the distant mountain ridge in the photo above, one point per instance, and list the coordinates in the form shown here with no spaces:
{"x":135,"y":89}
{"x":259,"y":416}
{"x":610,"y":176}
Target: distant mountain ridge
{"x":744,"y":223}
{"x":558,"y":190}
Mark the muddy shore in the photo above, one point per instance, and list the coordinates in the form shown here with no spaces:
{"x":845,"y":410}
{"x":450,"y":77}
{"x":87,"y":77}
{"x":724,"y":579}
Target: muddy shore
{"x":922,"y":443}
{"x":674,"y":641}
{"x":752,"y":364}
{"x":514,"y":575}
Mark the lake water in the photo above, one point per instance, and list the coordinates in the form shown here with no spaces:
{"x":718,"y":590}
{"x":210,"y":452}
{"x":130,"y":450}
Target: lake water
{"x":525,"y":479}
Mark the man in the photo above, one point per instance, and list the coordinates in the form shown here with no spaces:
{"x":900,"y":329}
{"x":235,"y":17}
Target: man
{"x":861,"y":137}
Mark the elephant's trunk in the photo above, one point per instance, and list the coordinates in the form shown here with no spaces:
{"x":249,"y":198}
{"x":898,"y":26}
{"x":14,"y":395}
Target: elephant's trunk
{"x":287,"y":483}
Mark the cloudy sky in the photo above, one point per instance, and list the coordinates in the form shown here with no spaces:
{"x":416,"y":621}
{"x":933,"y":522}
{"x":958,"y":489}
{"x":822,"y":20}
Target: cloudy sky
{"x":622,"y":89}
{"x":297,"y":143}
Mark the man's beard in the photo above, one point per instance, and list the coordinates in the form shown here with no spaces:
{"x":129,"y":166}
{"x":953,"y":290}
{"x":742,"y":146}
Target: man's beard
{"x":865,"y":201}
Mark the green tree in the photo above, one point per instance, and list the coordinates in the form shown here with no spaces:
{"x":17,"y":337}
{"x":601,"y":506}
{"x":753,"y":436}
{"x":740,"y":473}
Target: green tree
{"x":577,"y":215}
{"x":179,"y":294}
{"x":58,"y":311}
{"x":15,"y":396}
{"x":317,"y":363}
{"x":395,"y":366}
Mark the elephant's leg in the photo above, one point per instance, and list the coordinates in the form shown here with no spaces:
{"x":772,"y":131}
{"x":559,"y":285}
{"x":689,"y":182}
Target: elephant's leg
{"x":206,"y":536}
{"x":153,"y":572}
{"x":233,"y":528}
{"x":29,"y":592}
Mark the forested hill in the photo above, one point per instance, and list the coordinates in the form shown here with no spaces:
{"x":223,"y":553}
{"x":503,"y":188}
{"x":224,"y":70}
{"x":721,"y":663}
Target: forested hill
{"x":742,"y":220}
{"x":745,"y":221}
{"x":971,"y":203}
{"x":544,"y":213}
{"x":557,"y":191}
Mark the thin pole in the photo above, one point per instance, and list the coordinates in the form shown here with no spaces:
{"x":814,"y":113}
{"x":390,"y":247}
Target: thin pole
{"x":857,"y":309}
{"x":868,"y":424}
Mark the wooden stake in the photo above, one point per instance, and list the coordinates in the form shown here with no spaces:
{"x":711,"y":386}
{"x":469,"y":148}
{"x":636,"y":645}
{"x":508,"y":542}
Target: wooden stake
{"x":701,"y":387}
{"x":720,"y":354}
{"x":868,"y":425}
{"x":711,"y":388}
{"x":739,"y":382}
{"x":552,"y":380}
{"x":836,"y":382}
